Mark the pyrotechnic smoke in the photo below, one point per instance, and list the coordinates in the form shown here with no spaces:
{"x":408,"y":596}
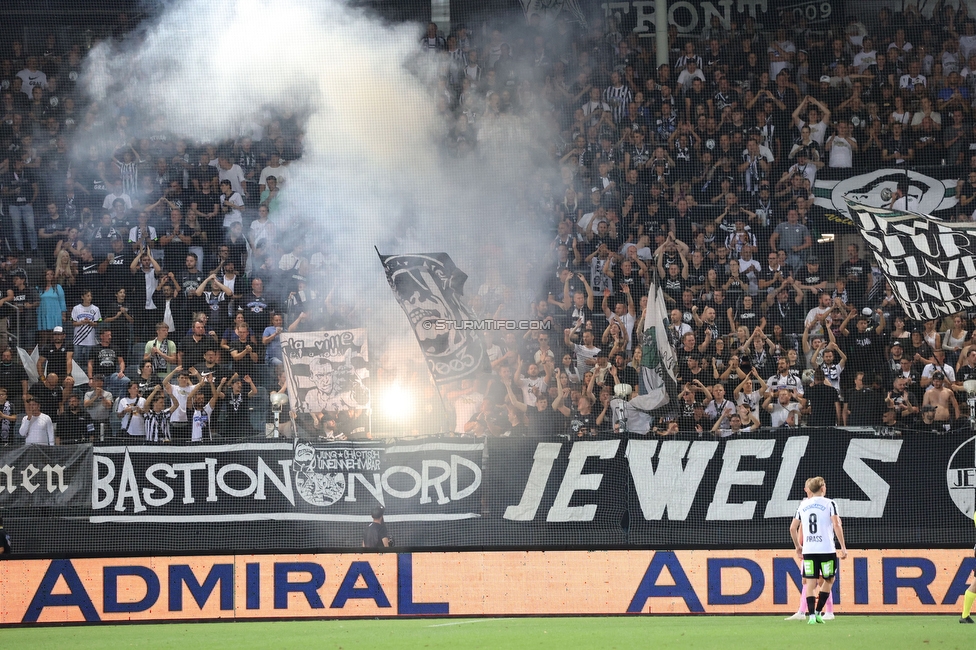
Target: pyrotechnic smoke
{"x":372,"y":171}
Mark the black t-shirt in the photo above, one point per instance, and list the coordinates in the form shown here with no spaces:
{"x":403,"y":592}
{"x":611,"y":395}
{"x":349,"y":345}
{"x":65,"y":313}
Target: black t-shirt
{"x":580,"y":425}
{"x":545,"y":424}
{"x":49,"y":399}
{"x":257,"y":311}
{"x":822,"y":399}
{"x":193,"y":350}
{"x":375,"y":534}
{"x":11,"y":376}
{"x":866,"y":407}
{"x":859,"y":269}
{"x":18,"y":186}
{"x":864,"y":350}
{"x":176,"y":249}
{"x":105,"y":359}
{"x":57,"y":359}
{"x":75,"y":428}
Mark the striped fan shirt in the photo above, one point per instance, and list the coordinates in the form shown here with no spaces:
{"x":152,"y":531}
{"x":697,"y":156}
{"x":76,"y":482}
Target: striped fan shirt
{"x":85,"y":334}
{"x":618,"y":98}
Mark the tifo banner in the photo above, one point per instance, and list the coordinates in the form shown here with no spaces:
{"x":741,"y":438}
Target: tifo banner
{"x":45,"y":477}
{"x":326,"y":371}
{"x":430,"y":291}
{"x":680,"y":492}
{"x":529,"y":583}
{"x":930,"y":264}
{"x":300,"y":481}
{"x":875,"y":189}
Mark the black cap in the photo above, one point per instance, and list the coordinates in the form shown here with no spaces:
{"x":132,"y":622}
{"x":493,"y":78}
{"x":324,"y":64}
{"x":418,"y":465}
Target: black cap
{"x":377,"y":512}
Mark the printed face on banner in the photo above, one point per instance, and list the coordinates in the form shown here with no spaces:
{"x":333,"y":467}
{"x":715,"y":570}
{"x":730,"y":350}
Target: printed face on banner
{"x":430,"y":289}
{"x":327,"y":371}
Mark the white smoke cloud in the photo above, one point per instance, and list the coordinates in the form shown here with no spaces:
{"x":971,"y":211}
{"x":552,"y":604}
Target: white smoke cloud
{"x":372,"y":170}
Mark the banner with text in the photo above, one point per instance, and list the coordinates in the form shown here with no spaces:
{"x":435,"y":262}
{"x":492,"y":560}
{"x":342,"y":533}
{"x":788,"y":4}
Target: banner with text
{"x":297,"y":481}
{"x":514,"y":583}
{"x":734,"y":491}
{"x":326,"y":371}
{"x":36,"y":476}
{"x":674,"y":492}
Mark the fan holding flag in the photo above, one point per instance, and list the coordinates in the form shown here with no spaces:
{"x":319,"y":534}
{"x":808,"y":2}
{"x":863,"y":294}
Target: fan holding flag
{"x":658,"y":382}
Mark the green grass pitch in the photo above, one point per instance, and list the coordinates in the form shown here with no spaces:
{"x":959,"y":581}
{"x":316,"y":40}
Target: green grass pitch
{"x":725,"y":632}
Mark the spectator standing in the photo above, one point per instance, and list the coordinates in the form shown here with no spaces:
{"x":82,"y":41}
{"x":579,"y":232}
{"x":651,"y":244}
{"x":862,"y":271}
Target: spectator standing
{"x":37,"y":428}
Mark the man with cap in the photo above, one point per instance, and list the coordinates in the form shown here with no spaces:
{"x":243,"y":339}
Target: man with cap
{"x":56,"y":357}
{"x":376,"y":535}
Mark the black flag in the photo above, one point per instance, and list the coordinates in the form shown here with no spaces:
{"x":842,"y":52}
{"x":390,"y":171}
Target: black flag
{"x":930,"y":263}
{"x":429,"y":288}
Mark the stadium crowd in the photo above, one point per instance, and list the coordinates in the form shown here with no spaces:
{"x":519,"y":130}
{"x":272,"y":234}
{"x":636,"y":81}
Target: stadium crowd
{"x":155,"y":274}
{"x":702,"y":173}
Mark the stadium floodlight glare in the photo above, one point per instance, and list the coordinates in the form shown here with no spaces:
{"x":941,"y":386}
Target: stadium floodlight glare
{"x":397,"y":403}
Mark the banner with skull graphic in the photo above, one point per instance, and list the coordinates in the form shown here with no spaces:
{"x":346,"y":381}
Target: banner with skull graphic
{"x":326,"y":371}
{"x":430,"y":291}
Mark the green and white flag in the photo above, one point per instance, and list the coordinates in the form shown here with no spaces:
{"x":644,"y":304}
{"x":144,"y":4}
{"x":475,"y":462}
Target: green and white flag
{"x":658,"y":360}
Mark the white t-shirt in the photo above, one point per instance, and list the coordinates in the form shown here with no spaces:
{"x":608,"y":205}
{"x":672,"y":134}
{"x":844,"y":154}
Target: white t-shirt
{"x":31,"y":79}
{"x":967,"y":45}
{"x":85,"y":334}
{"x":180,"y":394}
{"x":776,"y":62}
{"x":233,"y":215}
{"x":527,"y":384}
{"x":134,"y":423}
{"x":779,"y":414}
{"x":582,"y":354}
{"x":863,"y":60}
{"x":841,"y":153}
{"x":817,"y":131}
{"x":946,"y":369}
{"x":235,"y":175}
{"x":789,"y":382}
{"x":278,"y":172}
{"x":465,"y":407}
{"x":201,"y":420}
{"x":815,"y":515}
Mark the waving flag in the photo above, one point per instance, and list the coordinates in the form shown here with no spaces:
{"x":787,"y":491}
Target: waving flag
{"x":658,"y":360}
{"x":930,"y":263}
{"x":430,"y":291}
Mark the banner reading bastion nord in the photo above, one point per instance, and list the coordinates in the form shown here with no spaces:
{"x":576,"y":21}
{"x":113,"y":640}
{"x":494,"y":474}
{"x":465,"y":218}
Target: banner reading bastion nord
{"x":914,"y":491}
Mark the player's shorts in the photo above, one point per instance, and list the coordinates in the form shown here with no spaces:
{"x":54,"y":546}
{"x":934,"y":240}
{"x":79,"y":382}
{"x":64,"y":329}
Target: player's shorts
{"x":820,"y":565}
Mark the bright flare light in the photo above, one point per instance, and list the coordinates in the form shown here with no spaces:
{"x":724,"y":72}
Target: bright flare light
{"x":398,"y":403}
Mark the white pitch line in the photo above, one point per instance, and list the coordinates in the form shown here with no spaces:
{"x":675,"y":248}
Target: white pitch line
{"x":477,"y":620}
